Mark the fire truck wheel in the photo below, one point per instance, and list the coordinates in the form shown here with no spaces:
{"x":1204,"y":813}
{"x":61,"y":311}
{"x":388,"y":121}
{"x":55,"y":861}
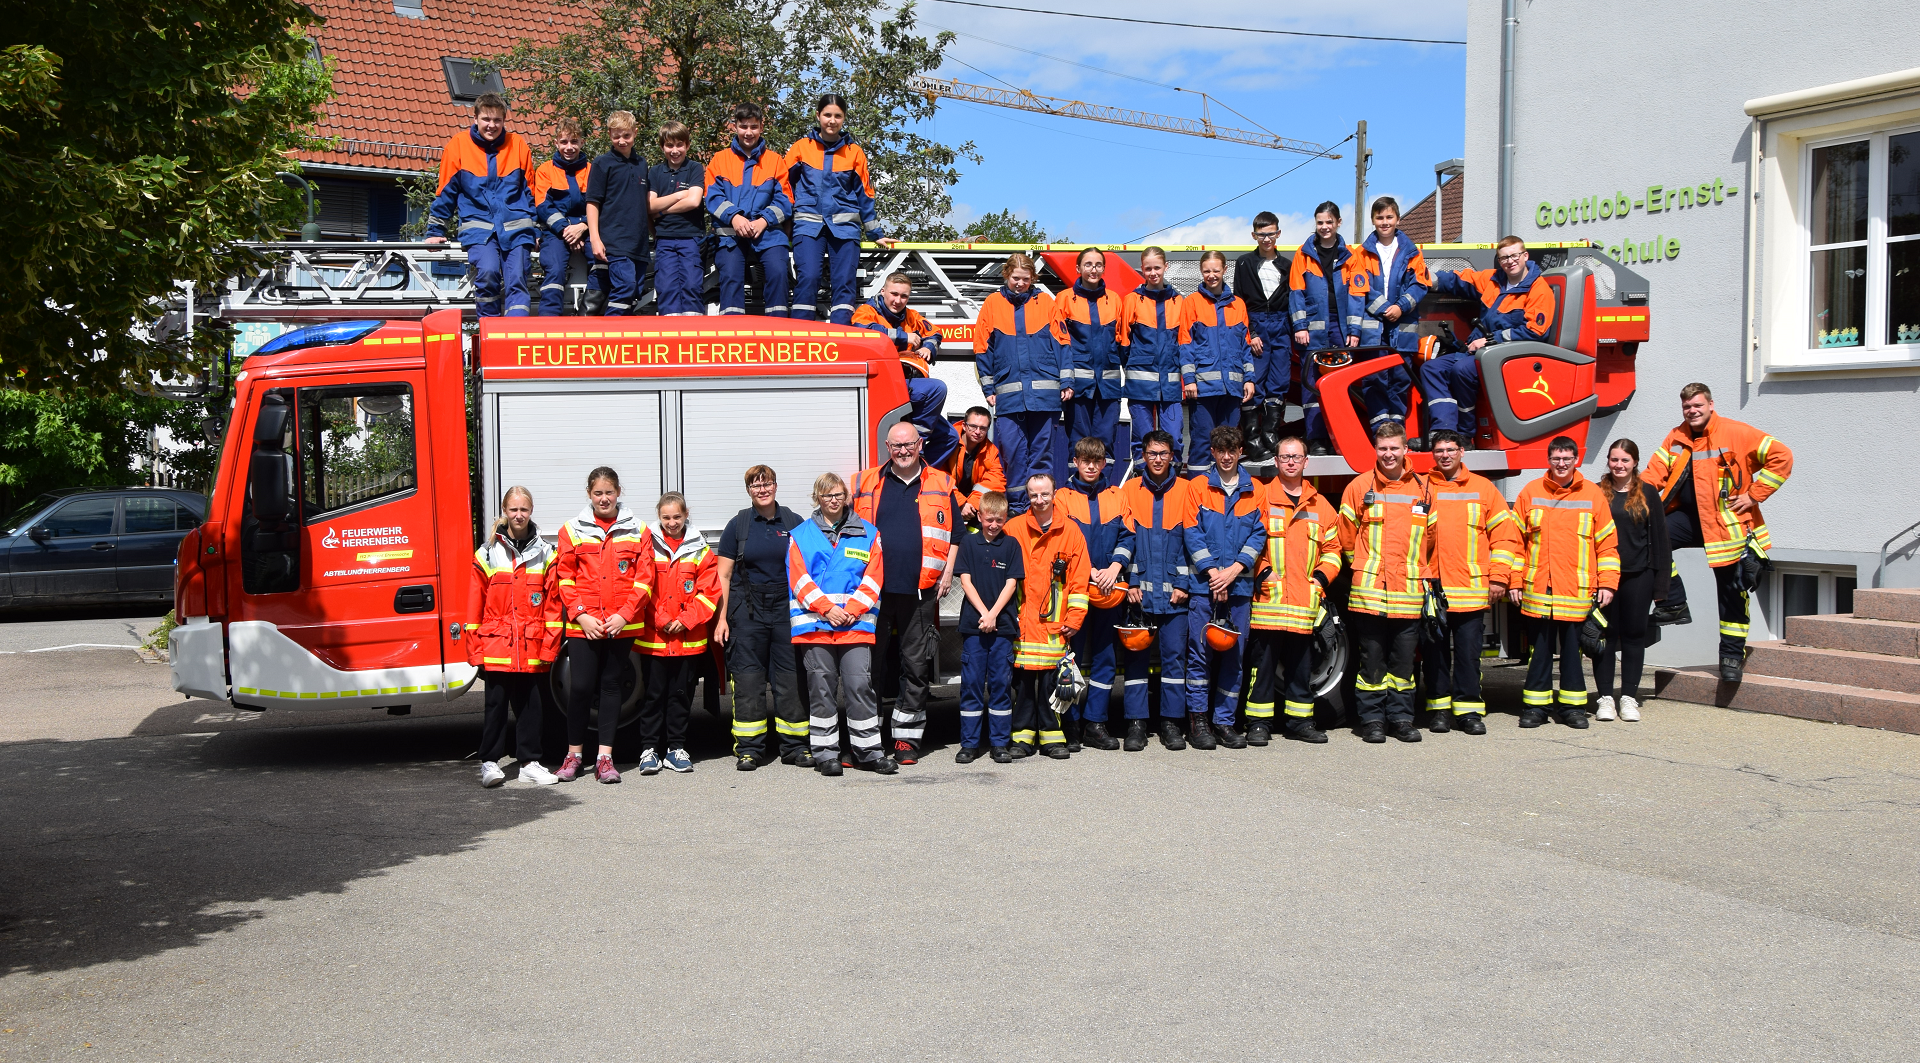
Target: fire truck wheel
{"x":630,"y":684}
{"x":1332,"y":671}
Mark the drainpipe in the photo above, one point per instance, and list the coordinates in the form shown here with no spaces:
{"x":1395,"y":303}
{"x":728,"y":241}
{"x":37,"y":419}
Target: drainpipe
{"x":1509,"y":23}
{"x":310,"y":232}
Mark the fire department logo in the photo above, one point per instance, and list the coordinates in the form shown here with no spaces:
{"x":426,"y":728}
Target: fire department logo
{"x":939,"y":516}
{"x":687,"y":585}
{"x":623,"y":566}
{"x":332,"y":540}
{"x":535,"y":598}
{"x":1539,"y":387}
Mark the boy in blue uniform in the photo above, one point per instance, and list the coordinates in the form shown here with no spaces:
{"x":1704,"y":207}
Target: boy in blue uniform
{"x":749,"y":196}
{"x":676,"y":199}
{"x":1101,"y":513}
{"x":990,"y":568}
{"x":1225,"y":542}
{"x":617,"y":214}
{"x":560,"y":206}
{"x":486,"y":181}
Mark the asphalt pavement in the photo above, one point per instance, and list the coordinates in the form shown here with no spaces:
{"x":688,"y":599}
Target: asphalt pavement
{"x":193,"y":882}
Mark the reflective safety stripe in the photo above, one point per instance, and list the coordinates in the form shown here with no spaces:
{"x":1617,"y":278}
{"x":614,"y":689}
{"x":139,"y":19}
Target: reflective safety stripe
{"x":1302,"y":709}
{"x":795,"y":730}
{"x":1536,"y":697}
{"x":1457,"y":496}
{"x":1562,"y":503}
{"x":1439,"y":704}
{"x":1576,"y":698}
{"x":748,"y":728}
{"x":1469,"y":708}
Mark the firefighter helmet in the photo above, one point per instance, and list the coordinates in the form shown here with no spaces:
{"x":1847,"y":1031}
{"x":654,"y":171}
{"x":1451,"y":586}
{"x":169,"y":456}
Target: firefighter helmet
{"x":1134,"y":637}
{"x":915,"y":366}
{"x":1332,"y":358}
{"x":1220,"y":637}
{"x":1113,"y":599}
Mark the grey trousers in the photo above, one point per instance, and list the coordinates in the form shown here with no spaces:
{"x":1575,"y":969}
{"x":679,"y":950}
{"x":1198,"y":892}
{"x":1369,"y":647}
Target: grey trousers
{"x":828,"y":668}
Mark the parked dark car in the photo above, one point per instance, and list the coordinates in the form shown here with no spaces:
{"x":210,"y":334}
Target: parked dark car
{"x":81,"y":546}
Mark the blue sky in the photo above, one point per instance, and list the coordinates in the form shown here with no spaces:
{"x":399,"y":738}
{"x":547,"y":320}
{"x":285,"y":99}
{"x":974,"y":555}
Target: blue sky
{"x":1092,"y":181}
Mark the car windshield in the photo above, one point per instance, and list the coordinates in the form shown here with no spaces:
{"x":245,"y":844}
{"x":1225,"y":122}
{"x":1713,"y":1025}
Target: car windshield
{"x":19,"y":517}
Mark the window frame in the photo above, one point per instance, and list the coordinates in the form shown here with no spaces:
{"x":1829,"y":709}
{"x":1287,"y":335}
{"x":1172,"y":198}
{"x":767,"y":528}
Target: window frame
{"x":312,"y":458}
{"x":1874,"y":340}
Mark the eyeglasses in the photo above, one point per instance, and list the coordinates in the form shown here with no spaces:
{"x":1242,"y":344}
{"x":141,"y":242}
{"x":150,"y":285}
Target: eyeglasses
{"x":837,"y":496}
{"x":761,"y":485}
{"x":1517,"y":256}
{"x":1291,"y":458}
{"x":1274,"y":235}
{"x":901,"y":448}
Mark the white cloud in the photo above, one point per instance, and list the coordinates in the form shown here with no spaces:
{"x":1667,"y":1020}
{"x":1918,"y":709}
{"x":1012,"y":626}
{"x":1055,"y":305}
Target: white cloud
{"x":1236,"y":229}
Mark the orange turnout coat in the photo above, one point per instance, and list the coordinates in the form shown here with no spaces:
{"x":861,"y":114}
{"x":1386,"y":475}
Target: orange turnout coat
{"x":1476,"y":540}
{"x":1301,"y":540}
{"x":1727,"y":460}
{"x":1384,"y":531}
{"x":1049,"y":606}
{"x":1570,"y":547}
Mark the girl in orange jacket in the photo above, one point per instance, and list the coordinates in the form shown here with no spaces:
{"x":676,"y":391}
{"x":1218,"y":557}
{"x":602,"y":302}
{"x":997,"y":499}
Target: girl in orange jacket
{"x":605,"y":567}
{"x":674,"y":643}
{"x":513,"y":633}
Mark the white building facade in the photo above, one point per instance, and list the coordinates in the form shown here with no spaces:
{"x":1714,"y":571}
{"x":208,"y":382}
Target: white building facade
{"x":1759,"y":163}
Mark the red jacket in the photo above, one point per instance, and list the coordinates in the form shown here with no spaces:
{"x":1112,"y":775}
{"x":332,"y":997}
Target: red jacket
{"x":513,"y":614}
{"x":686,"y":587}
{"x":605,"y":572}
{"x":988,"y":473}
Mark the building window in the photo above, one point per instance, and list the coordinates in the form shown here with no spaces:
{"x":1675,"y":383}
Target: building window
{"x":463,"y":86}
{"x":1804,"y":590}
{"x":409,"y":9}
{"x":1864,"y":242}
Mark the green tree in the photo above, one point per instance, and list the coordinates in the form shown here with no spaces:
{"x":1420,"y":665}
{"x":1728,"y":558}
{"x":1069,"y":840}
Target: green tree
{"x":692,"y":60}
{"x":138,"y":143}
{"x":50,"y":440}
{"x":1002,"y":227}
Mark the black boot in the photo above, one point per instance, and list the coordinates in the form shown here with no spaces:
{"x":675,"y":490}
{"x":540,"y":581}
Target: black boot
{"x":1405,"y":731}
{"x":1073,"y":729}
{"x":1259,"y":732}
{"x":1170,"y":735}
{"x":829,"y":766}
{"x":1438,"y":725}
{"x":1303,"y":730}
{"x":1230,"y":738}
{"x":596,"y":303}
{"x":1373,"y":733}
{"x":1674,"y":615}
{"x":1471,"y":723}
{"x":1418,"y":444}
{"x":1096,"y":736}
{"x":1575,"y":718}
{"x":1732,"y":666}
{"x":1200,"y":732}
{"x":1136,"y":736}
{"x":1532,"y":717}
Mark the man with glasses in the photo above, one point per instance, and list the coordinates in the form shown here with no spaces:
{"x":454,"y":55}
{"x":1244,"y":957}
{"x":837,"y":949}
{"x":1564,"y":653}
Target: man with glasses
{"x":912,"y":505}
{"x":1260,"y":280}
{"x":1476,"y":545}
{"x":1515,"y":304}
{"x":974,"y":465}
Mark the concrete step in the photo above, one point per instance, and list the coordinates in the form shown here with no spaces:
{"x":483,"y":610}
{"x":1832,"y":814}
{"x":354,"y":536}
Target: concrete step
{"x":1845,"y":667}
{"x":1828,"y":702}
{"x":1840,"y":631}
{"x":1888,"y":603}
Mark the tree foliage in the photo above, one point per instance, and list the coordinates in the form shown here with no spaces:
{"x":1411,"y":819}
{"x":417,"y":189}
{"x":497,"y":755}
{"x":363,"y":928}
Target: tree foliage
{"x":1003,"y":227}
{"x":692,"y":60}
{"x":138,"y":142}
{"x":50,"y":440}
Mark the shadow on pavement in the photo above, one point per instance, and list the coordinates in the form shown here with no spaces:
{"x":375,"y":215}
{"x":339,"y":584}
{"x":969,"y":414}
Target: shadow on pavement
{"x":126,"y":848}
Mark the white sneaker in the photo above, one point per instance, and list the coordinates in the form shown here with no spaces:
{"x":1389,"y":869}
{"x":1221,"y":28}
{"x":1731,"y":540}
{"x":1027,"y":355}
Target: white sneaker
{"x":491,"y":775}
{"x":1603,"y":707}
{"x":1629,"y":709}
{"x":532,"y":772}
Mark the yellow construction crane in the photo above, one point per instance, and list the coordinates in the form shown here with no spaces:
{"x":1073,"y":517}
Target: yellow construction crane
{"x":1022,"y":100}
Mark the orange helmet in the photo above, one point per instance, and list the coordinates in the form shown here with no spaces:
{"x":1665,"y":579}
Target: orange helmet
{"x":1113,"y":599}
{"x":915,"y":366}
{"x":1134,"y":638}
{"x":1220,"y":637}
{"x":1332,"y":358}
{"x":1429,"y":348}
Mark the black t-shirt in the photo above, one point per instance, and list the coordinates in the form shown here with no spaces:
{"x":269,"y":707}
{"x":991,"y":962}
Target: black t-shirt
{"x":665,"y":181}
{"x":897,"y":516}
{"x":763,"y":557}
{"x":991,"y":564}
{"x":618,"y":186}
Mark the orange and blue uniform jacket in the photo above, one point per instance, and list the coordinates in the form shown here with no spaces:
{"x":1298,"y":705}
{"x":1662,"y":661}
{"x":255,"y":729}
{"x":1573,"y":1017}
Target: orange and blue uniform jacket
{"x":938,"y":515}
{"x":831,"y":188}
{"x":1522,"y":310}
{"x":1726,"y":460}
{"x":874,"y":314}
{"x":605,"y":571}
{"x":1161,"y":512}
{"x":1374,"y":288}
{"x":1224,"y":531}
{"x":560,"y":193}
{"x":491,"y":191}
{"x":1302,"y":541}
{"x":1571,"y":549}
{"x":826,"y":568}
{"x":1087,"y":320}
{"x":513,"y":614}
{"x":686,"y":587}
{"x":1149,"y":339}
{"x":1019,"y":361}
{"x":1049,"y":606}
{"x":1101,"y":513}
{"x":1214,"y":354}
{"x":987,"y":471}
{"x":1318,"y":305}
{"x":752,"y":184}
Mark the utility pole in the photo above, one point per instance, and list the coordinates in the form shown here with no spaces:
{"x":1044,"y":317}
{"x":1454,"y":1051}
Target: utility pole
{"x":1360,"y":158}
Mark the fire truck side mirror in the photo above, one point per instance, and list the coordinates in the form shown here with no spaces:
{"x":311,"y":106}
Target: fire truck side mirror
{"x":270,"y":474}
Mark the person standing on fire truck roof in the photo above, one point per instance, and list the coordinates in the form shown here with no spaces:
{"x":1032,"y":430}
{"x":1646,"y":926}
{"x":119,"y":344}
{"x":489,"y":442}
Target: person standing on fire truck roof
{"x":617,"y":214}
{"x":560,"y":198}
{"x":1150,"y":340}
{"x":748,"y":195}
{"x":911,"y":503}
{"x":919,"y":344}
{"x":755,"y":626}
{"x":1260,"y":279}
{"x":832,"y":210}
{"x":486,"y":179}
{"x":606,"y":578}
{"x":1714,"y":473}
{"x":1388,"y":278}
{"x":513,"y":634}
{"x":1515,"y":304}
{"x":1086,"y":320}
{"x":1216,"y":364}
{"x":1319,"y":305}
{"x":1024,"y":372}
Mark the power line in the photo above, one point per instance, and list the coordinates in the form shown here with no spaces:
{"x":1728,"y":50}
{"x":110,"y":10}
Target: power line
{"x":995,"y":113}
{"x":1142,"y":238}
{"x":1199,"y":26}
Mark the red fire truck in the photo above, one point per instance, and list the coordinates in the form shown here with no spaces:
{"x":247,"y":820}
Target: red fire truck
{"x":364,"y":454}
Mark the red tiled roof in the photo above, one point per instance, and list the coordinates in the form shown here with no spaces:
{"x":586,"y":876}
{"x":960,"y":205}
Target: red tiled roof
{"x":1418,"y":222}
{"x":390,"y":107}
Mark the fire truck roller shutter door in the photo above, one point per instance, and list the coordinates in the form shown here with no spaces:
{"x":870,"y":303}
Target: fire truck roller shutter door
{"x":537,"y":445}
{"x":723,"y":433}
